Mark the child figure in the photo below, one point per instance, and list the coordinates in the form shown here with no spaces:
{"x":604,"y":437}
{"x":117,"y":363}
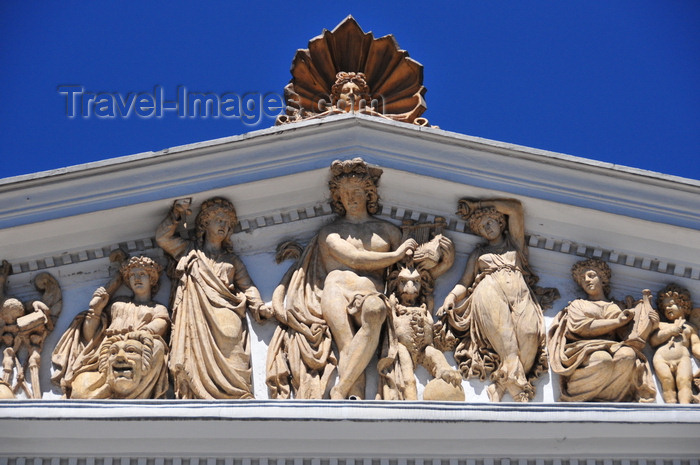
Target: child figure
{"x":675,"y":340}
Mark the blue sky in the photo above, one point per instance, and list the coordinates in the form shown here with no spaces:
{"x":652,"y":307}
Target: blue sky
{"x":616,"y":81}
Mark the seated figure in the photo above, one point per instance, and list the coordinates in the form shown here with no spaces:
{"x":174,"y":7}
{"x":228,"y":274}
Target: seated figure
{"x":596,"y":346}
{"x":335,"y":292}
{"x":83,"y":372}
{"x":675,"y":339}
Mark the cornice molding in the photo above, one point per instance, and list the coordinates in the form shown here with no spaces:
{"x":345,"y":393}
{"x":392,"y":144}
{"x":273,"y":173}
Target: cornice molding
{"x":311,"y":145}
{"x":348,"y":429}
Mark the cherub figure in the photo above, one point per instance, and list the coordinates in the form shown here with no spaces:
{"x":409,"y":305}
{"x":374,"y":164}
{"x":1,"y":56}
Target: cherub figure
{"x":409,"y":335}
{"x":675,"y":339}
{"x":24,"y":327}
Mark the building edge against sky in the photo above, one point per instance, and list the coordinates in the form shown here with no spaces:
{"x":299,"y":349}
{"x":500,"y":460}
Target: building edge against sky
{"x":67,"y":221}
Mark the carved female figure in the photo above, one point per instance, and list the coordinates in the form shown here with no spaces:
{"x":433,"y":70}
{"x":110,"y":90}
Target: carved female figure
{"x":675,"y":339}
{"x":210,"y":353}
{"x":596,"y":346}
{"x":336,"y":290}
{"x":77,"y":356}
{"x":492,"y":309}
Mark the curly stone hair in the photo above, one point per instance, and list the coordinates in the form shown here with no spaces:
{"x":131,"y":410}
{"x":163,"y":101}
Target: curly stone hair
{"x":679,"y":294}
{"x":152,"y":268}
{"x":599,"y":266}
{"x":146,"y":340}
{"x":475,"y":218}
{"x":208,"y":210}
{"x":343,"y":78}
{"x":359,"y":170}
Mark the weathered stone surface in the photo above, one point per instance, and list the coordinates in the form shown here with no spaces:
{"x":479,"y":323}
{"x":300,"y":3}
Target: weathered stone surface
{"x":595,"y":345}
{"x":335,"y":291}
{"x":210,"y":348}
{"x":348,"y":70}
{"x":675,"y":339}
{"x":117,"y":351}
{"x":24,"y":328}
{"x":492,"y":314}
{"x":408,"y":341}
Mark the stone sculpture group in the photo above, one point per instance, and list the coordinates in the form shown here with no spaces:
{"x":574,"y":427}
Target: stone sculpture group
{"x":361,"y":288}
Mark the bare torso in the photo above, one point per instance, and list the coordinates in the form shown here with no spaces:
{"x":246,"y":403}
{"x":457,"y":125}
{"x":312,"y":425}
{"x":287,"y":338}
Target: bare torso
{"x":676,"y":347}
{"x":372,"y":235}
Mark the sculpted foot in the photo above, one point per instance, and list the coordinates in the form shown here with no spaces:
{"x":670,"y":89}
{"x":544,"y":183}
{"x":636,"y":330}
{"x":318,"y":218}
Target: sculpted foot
{"x":336,"y":394}
{"x":451,"y":376}
{"x":495,"y":392}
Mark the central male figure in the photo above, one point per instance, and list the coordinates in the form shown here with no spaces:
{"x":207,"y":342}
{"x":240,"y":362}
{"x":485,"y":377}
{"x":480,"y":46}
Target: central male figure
{"x":356,"y":249}
{"x":338,"y":282}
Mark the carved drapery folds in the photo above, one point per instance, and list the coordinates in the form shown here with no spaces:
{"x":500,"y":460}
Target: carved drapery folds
{"x":117,"y":349}
{"x":346,"y":70}
{"x":362,"y":287}
{"x":210,"y":347}
{"x":335,"y":291}
{"x":596,"y":344}
{"x":24,"y":328}
{"x":492,"y":314}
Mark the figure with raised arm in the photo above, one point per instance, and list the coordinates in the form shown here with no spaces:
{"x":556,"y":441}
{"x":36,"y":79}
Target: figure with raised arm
{"x":493,"y":311}
{"x":210,"y":348}
{"x":82,"y":370}
{"x":596,"y":346}
{"x":336,"y":291}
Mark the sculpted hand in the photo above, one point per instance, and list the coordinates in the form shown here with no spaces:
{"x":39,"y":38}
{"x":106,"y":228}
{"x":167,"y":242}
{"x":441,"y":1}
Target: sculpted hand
{"x":448,"y":304}
{"x":39,"y":306}
{"x":446,"y":245}
{"x":99,"y":299}
{"x":265,"y":312}
{"x":626,"y":315}
{"x":678,"y":326}
{"x":407,"y":248}
{"x":180,"y":210}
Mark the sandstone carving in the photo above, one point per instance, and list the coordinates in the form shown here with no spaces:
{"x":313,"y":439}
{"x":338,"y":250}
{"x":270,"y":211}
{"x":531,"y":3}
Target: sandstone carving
{"x":24,"y":328}
{"x":335,"y":292}
{"x":409,"y":328}
{"x":210,"y":351}
{"x":676,"y":338}
{"x":595,"y":345}
{"x":117,"y":348}
{"x":492,"y":311}
{"x":348,"y":70}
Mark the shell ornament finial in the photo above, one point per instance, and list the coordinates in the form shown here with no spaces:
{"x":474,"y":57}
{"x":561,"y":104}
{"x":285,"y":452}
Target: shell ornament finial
{"x":347,"y":70}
